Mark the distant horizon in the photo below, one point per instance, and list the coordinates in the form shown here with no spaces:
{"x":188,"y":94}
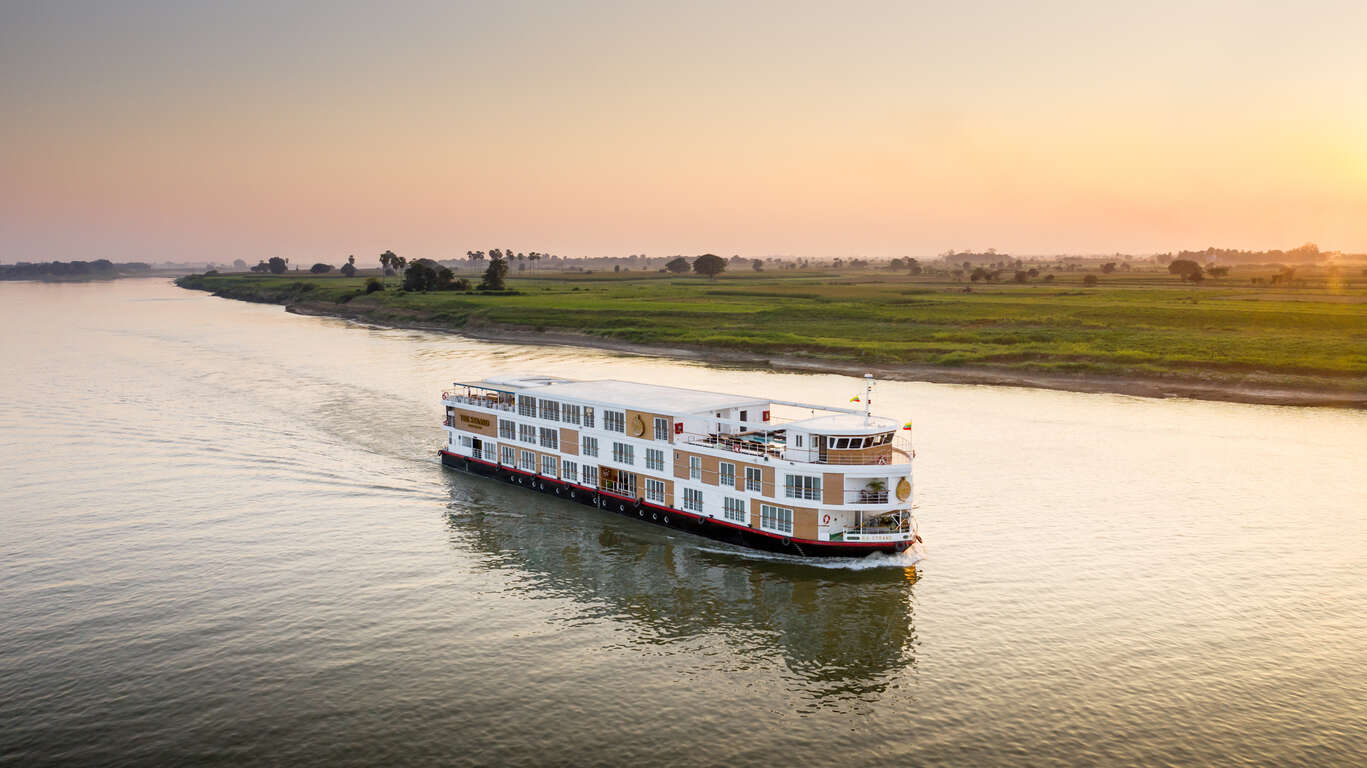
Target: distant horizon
{"x":158,"y":130}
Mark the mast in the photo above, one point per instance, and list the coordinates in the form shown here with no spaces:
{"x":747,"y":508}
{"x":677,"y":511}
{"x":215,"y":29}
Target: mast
{"x":868,"y":396}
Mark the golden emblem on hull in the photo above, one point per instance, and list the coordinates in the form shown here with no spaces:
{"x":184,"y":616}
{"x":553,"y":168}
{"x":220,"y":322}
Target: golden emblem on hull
{"x":903,"y":489}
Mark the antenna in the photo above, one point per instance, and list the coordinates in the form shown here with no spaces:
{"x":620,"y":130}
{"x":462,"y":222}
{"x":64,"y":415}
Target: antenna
{"x":868,"y":396}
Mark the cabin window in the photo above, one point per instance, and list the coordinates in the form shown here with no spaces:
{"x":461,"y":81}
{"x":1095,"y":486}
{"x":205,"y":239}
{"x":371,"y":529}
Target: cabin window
{"x":550,"y":438}
{"x":548,"y":466}
{"x":527,"y":460}
{"x":694,"y":467}
{"x":733,"y":509}
{"x":661,"y":429}
{"x":507,"y":429}
{"x":526,"y":433}
{"x":623,"y":453}
{"x":655,"y":490}
{"x":754,"y":480}
{"x":841,"y":442}
{"x":569,"y":470}
{"x":655,"y":459}
{"x":589,"y":475}
{"x":509,"y":456}
{"x":776,"y":519}
{"x":465,"y":441}
{"x":726,"y":474}
{"x":526,"y":405}
{"x":570,"y":413}
{"x":615,"y":421}
{"x":550,"y":410}
{"x":590,"y":446}
{"x":802,"y":486}
{"x":797,"y":441}
{"x":692,"y":500}
{"x":744,"y":416}
{"x":588,"y":416}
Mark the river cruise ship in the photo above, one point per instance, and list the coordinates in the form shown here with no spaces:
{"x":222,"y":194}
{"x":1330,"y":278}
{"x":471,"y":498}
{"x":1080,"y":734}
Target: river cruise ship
{"x":782,"y":476}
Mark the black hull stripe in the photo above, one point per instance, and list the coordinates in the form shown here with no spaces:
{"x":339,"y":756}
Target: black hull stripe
{"x":702,"y":525}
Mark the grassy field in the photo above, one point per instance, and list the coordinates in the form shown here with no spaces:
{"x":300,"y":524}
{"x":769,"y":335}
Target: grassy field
{"x":1138,"y":324}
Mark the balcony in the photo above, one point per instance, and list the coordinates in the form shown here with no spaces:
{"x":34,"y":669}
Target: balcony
{"x":486,"y":402}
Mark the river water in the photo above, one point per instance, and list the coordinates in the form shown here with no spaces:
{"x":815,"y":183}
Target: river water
{"x":227,"y":538}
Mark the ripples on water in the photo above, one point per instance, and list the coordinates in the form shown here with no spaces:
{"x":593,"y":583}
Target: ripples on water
{"x":226,"y":539}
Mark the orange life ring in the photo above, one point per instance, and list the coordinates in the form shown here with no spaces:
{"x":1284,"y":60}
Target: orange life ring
{"x":826,"y":519}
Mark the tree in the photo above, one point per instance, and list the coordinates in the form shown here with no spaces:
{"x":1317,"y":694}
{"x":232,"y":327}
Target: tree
{"x":351,"y":259}
{"x":1090,"y":281}
{"x":320,"y":268}
{"x":757,"y":265}
{"x":495,"y":275}
{"x":1186,"y":269}
{"x":239,"y":264}
{"x":709,"y":264}
{"x":678,"y":265}
{"x":1022,"y":276}
{"x":913,"y":267}
{"x":1217,"y":271}
{"x":419,"y":276}
{"x":277,"y":265}
{"x":460,"y":285}
{"x":261,"y":267}
{"x":1108,"y":267}
{"x":349,"y":269}
{"x":1049,"y":278}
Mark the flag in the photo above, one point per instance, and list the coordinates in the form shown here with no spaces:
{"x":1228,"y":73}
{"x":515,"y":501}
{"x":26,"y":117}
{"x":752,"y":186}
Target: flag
{"x":907,"y":425}
{"x":854,"y":399}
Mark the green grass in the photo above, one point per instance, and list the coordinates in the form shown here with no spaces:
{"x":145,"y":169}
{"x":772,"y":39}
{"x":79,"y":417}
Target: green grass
{"x":1145,"y":324}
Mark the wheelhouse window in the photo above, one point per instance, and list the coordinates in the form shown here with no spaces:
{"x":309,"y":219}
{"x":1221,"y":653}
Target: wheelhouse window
{"x":655,"y":459}
{"x":776,"y":519}
{"x":733,"y":509}
{"x":754,"y":480}
{"x":655,"y":490}
{"x":692,"y":500}
{"x":726,"y":474}
{"x":590,"y":446}
{"x":550,"y":410}
{"x":526,"y":405}
{"x":661,"y":429}
{"x":615,"y":421}
{"x":526,"y":433}
{"x":507,"y":429}
{"x":623,"y":453}
{"x":802,"y":487}
{"x":550,"y":438}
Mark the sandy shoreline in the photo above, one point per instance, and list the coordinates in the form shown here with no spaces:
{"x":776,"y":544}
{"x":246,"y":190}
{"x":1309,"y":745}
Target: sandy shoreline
{"x":1138,"y":386}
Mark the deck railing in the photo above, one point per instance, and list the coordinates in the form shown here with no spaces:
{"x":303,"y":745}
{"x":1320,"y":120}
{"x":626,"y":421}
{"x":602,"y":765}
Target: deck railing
{"x":478,"y":402}
{"x":898,"y":452}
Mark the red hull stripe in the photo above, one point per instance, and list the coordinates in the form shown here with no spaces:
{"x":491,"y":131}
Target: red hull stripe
{"x":671,"y":510}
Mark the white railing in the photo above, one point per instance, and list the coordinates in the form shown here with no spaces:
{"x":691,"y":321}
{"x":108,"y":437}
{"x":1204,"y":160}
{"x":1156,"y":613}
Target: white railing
{"x":871,"y":535}
{"x":478,"y":402}
{"x":898,"y":452}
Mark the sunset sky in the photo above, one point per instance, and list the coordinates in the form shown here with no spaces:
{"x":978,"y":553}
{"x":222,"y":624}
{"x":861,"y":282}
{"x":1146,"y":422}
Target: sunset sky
{"x":203,"y":131}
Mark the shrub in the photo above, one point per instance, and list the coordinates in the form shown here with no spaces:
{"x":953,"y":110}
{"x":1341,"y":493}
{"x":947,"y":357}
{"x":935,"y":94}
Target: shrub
{"x":1090,"y":281}
{"x":373,"y":284}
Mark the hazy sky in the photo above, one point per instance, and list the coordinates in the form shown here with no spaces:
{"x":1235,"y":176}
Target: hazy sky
{"x":203,"y":130}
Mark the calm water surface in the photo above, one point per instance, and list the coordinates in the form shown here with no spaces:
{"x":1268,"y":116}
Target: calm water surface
{"x":225,"y":537}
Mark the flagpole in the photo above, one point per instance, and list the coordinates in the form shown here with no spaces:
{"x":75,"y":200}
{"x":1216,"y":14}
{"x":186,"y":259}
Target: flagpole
{"x":868,"y":396}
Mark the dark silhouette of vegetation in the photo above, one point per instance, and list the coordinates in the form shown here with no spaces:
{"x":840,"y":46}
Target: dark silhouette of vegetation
{"x":1090,"y":281}
{"x":709,"y":264}
{"x":496,"y":274}
{"x":1187,"y":269}
{"x":239,"y":265}
{"x":374,"y":284}
{"x":757,"y":265}
{"x":348,"y":269}
{"x":679,"y":265}
{"x":277,"y":265}
{"x":100,"y":269}
{"x":320,"y":268}
{"x":1108,"y":267}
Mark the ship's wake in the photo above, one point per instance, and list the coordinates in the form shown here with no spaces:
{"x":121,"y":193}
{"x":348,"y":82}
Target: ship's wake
{"x":907,"y":559}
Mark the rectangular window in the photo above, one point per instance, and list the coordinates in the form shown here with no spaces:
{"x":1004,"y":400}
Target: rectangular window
{"x":590,"y":447}
{"x":733,"y":509}
{"x":615,"y":421}
{"x":797,"y":441}
{"x":754,"y":480}
{"x":655,"y":490}
{"x":550,"y":438}
{"x":694,"y":467}
{"x":509,"y":457}
{"x":802,"y":487}
{"x":527,"y":461}
{"x":526,"y":405}
{"x":692,"y":500}
{"x":550,"y":410}
{"x":588,"y":416}
{"x":623,"y":453}
{"x":549,"y":466}
{"x":589,"y":475}
{"x":507,"y":429}
{"x":776,"y":519}
{"x":570,"y":413}
{"x":726,"y":474}
{"x":465,"y":441}
{"x":569,"y":470}
{"x":743,"y":416}
{"x":661,"y":429}
{"x":526,"y":433}
{"x":655,"y":459}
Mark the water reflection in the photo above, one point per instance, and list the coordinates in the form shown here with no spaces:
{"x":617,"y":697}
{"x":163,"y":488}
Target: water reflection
{"x":842,"y":629}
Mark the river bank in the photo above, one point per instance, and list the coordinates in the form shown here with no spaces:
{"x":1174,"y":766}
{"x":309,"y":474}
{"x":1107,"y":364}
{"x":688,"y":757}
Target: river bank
{"x":651,"y":332}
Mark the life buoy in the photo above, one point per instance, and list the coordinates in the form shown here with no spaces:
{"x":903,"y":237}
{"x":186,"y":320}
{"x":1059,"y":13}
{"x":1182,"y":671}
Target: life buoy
{"x":882,"y":459}
{"x":826,"y":519}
